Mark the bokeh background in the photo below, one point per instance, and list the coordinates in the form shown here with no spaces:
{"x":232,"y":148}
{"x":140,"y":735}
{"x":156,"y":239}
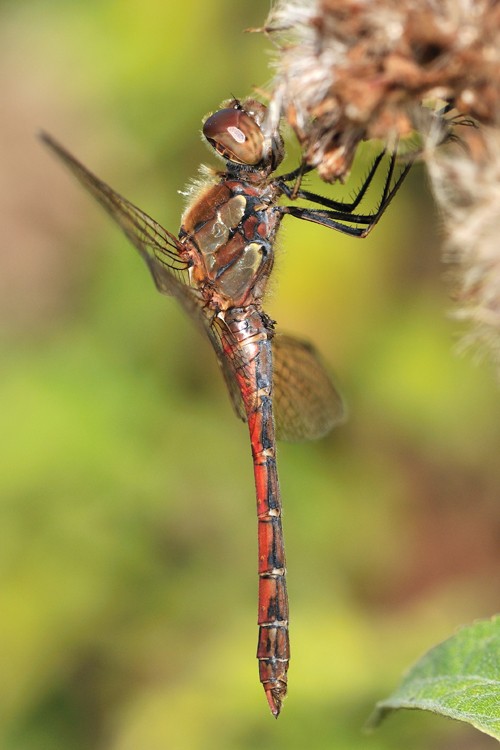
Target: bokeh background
{"x":127,"y":518}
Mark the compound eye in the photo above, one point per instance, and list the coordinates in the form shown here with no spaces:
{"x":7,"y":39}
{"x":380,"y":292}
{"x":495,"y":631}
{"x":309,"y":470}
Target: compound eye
{"x":235,"y":136}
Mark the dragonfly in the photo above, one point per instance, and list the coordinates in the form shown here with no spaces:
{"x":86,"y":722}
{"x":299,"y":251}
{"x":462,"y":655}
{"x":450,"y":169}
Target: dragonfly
{"x":218,"y":267}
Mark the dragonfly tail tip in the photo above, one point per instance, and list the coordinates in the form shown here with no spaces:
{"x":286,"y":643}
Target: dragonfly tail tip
{"x":275,"y":702}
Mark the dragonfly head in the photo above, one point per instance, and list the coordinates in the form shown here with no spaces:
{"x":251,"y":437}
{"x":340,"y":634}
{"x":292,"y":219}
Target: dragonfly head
{"x":237,"y":133}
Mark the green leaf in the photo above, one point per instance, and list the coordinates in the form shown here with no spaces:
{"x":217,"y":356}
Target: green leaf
{"x":459,"y":678}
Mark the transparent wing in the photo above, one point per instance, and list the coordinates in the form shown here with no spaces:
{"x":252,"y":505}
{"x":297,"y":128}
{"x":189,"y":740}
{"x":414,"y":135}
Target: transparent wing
{"x":217,"y":332}
{"x":231,"y":383}
{"x":161,"y":250}
{"x":306,"y":403}
{"x":163,"y":254}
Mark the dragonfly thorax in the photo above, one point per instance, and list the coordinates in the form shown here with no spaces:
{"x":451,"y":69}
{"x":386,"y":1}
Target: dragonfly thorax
{"x":238,"y":134}
{"x":229,"y":231}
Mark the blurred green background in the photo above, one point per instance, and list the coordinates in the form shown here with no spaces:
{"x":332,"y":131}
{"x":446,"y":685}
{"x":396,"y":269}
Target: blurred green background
{"x":127,"y":519}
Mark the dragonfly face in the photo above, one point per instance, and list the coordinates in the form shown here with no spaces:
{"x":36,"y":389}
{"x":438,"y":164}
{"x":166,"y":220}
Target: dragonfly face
{"x":217,"y":268}
{"x":237,"y":134}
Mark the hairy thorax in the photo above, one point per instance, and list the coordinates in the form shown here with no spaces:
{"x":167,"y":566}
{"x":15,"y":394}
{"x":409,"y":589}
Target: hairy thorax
{"x":229,"y":229}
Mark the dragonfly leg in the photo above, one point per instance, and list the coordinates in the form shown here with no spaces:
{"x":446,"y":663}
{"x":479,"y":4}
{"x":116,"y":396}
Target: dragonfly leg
{"x":341,"y":218}
{"x":298,"y":181}
{"x":344,"y":206}
{"x":299,"y":172}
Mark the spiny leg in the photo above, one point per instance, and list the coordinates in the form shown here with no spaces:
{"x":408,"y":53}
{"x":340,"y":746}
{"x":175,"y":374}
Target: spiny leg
{"x":341,"y":217}
{"x":344,"y":206}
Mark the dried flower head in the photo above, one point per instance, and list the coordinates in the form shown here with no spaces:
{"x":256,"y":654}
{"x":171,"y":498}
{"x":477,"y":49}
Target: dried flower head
{"x":355,"y":69}
{"x":349,"y":70}
{"x":466,"y":184}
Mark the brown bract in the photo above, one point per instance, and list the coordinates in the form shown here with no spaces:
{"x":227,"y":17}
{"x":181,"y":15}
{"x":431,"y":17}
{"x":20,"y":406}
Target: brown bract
{"x":349,"y":70}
